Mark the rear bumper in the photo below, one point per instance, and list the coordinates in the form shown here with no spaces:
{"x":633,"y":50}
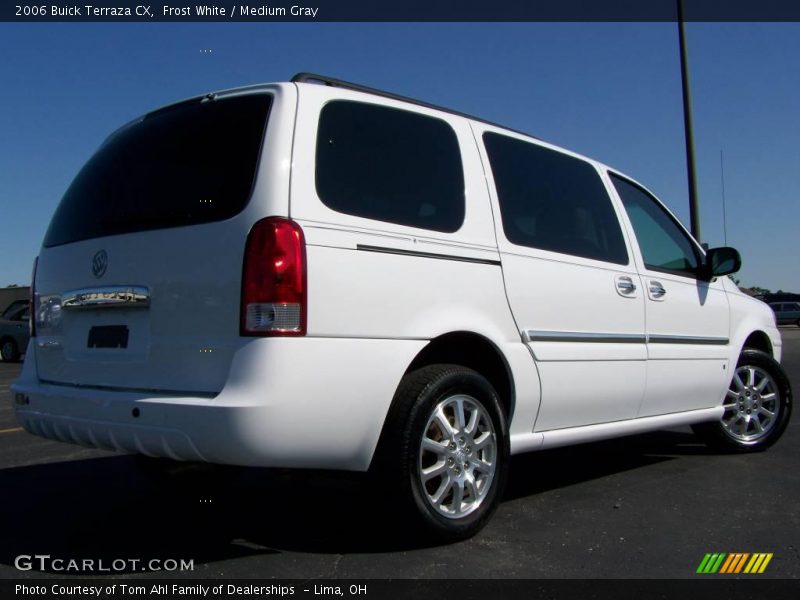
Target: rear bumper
{"x":291,"y":402}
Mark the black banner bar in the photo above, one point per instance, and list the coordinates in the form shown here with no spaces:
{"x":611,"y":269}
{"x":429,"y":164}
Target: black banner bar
{"x":401,"y":10}
{"x":707,"y":588}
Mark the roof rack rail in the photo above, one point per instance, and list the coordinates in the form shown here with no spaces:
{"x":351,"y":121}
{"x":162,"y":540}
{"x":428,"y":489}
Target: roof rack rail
{"x":332,"y":82}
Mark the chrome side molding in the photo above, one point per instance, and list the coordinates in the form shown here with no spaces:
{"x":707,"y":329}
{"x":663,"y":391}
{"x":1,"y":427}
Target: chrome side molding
{"x":571,"y":336}
{"x":688,"y":339}
{"x":110,"y":296}
{"x":620,"y":338}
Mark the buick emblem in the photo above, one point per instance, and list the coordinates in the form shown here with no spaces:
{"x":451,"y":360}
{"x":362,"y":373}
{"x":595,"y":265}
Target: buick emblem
{"x":99,"y":263}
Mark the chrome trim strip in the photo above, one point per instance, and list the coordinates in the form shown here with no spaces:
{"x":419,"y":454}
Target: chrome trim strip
{"x":620,"y":338}
{"x":688,"y":339}
{"x":47,"y":343}
{"x":596,"y":338}
{"x":111,"y":296}
{"x":400,"y":251}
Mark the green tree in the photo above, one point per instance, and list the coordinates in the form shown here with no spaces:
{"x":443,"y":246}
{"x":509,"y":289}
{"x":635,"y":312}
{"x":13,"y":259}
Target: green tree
{"x":759,"y":290}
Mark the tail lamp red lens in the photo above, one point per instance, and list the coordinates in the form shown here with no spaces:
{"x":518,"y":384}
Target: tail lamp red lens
{"x":274,"y":300}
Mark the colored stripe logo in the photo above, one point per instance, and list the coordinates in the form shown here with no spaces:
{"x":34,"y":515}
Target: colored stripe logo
{"x":734,"y":563}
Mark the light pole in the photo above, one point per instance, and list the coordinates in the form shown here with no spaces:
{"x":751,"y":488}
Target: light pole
{"x":694,"y":212}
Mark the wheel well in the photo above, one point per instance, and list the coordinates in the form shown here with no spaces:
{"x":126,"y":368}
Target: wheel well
{"x":758,"y":340}
{"x":474,"y":352}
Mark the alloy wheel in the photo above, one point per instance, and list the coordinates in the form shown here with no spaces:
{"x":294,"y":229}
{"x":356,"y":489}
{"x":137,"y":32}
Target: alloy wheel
{"x":458,"y":456}
{"x":751,"y":404}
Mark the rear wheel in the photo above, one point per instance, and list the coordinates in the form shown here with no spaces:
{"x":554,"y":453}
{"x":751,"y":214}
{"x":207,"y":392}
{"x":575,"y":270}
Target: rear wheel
{"x":445,"y":451}
{"x":9,"y":351}
{"x":757,"y":406}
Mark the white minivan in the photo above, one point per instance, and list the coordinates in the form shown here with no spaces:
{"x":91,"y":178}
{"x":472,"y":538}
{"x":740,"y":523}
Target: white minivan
{"x":315,"y":274}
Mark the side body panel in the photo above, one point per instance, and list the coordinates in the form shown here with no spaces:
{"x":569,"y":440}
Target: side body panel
{"x":749,"y":315}
{"x":381,"y":280}
{"x":586,"y":336}
{"x":688,"y":337}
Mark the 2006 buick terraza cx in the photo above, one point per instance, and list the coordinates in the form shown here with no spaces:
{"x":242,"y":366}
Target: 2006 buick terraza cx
{"x":330,"y":276}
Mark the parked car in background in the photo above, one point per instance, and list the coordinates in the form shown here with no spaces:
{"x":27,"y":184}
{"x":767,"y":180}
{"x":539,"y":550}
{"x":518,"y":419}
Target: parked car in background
{"x":14,"y":307}
{"x":786,"y":313}
{"x":14,"y":330}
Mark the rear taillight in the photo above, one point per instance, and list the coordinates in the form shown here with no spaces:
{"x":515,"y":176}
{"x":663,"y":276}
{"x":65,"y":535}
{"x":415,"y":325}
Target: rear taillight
{"x":274,"y":280}
{"x":33,"y":306}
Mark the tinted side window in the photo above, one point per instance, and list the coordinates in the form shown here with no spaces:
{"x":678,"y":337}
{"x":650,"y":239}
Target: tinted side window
{"x":664,"y":245}
{"x":553,"y":201}
{"x":390,"y":165}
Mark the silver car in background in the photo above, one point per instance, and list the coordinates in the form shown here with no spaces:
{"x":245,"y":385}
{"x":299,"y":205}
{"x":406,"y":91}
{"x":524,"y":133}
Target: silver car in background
{"x":786,"y":313}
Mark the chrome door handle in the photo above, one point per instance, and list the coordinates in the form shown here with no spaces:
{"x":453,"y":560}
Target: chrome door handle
{"x":657,"y":290}
{"x":626,"y":285}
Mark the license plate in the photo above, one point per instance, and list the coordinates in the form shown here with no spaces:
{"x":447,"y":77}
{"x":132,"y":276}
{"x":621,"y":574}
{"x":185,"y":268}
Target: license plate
{"x":108,"y":336}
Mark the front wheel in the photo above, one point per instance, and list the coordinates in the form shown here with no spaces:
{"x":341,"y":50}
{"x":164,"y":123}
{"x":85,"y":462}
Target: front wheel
{"x":447,"y":448}
{"x":757,"y":406}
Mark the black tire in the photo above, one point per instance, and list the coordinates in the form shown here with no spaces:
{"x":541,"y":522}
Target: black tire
{"x":746,"y":425}
{"x":9,"y":351}
{"x":474,"y":464}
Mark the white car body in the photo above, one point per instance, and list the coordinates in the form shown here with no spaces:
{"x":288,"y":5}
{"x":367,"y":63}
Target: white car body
{"x":574,"y":359}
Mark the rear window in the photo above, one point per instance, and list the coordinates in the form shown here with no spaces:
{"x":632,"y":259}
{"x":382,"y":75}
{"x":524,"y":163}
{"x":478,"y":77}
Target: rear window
{"x":390,"y":165}
{"x":188,"y":164}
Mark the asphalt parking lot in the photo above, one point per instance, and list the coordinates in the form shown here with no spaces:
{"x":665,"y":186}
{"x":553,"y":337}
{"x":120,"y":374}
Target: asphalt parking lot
{"x":649,"y":506}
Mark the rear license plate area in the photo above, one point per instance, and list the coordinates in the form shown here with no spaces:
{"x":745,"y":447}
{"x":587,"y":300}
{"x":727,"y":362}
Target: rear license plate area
{"x":108,"y":336}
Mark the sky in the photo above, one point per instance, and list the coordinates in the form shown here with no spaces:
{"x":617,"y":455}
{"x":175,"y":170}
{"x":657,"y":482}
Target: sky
{"x":610,"y":91}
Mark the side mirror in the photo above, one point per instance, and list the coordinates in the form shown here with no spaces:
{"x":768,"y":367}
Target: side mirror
{"x":722,"y":261}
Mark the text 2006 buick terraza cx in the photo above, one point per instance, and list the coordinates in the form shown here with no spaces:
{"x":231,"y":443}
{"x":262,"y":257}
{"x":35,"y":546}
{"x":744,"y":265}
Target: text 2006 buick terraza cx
{"x":329,"y":276}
